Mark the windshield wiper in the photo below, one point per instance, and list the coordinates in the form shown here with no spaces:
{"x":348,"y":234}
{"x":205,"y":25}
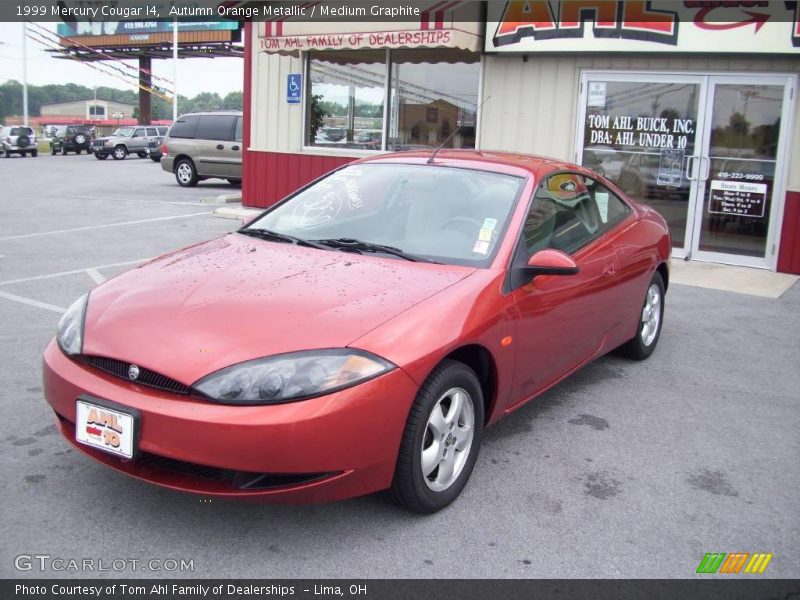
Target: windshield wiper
{"x":362,"y":246}
{"x":266,"y":234}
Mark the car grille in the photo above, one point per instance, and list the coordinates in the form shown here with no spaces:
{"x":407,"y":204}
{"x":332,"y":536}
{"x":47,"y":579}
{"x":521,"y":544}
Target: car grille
{"x":237,"y":479}
{"x":98,"y":143}
{"x":146,"y":377}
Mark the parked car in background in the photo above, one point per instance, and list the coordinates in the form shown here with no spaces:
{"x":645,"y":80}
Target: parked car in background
{"x":72,"y":138}
{"x":154,"y":143}
{"x":124,"y":141}
{"x":18,"y":140}
{"x":361,"y":334}
{"x":204,"y":145}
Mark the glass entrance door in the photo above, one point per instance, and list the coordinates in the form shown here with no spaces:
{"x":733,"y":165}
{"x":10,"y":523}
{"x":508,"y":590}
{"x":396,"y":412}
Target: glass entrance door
{"x":703,"y":150}
{"x":739,"y":171}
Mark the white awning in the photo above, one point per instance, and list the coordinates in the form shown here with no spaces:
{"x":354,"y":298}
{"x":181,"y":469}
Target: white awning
{"x":443,"y":24}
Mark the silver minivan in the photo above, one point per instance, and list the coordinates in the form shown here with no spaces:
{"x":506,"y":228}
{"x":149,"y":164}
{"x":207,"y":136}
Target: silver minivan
{"x":204,"y":145}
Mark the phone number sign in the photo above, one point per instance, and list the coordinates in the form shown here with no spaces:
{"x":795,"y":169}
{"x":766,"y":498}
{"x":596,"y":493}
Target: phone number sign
{"x":739,"y":198}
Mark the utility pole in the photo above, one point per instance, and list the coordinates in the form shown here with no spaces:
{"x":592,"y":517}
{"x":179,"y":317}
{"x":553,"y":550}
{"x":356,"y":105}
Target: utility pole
{"x":174,"y":71}
{"x":25,"y":73}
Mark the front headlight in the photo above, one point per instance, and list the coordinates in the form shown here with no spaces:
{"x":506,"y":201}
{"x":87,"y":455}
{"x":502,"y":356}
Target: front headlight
{"x":70,"y":328}
{"x":291,"y":377}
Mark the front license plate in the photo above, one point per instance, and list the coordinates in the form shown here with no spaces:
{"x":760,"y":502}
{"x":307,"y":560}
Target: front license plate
{"x":106,"y":428}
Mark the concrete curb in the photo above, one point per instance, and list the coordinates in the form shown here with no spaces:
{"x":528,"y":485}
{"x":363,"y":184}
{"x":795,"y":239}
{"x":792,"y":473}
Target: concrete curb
{"x":235,"y":212}
{"x":222,"y":199}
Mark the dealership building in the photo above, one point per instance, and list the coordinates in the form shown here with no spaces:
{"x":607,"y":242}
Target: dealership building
{"x":692,"y":112}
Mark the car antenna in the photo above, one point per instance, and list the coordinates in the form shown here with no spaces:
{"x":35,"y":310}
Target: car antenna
{"x":455,"y":131}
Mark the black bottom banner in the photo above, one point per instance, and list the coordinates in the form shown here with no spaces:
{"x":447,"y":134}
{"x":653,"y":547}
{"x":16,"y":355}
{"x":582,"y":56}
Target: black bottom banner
{"x":386,"y":589}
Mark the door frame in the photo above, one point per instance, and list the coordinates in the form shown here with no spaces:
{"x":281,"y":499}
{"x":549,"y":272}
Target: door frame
{"x":706,"y":81}
{"x":771,"y":244}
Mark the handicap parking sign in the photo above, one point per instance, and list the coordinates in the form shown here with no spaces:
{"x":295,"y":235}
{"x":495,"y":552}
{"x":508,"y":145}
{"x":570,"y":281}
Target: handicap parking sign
{"x":294,"y":88}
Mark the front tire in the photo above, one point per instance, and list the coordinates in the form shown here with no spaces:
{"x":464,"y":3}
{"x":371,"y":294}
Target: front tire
{"x":141,"y":154}
{"x":441,"y":440}
{"x":99,"y":156}
{"x":155,"y":158}
{"x":642,"y":345}
{"x":34,"y":153}
{"x":119,"y":153}
{"x":186,"y":173}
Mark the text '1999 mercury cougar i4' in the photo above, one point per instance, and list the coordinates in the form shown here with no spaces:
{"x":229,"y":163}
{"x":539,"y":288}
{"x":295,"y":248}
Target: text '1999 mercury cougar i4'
{"x":360,"y":334}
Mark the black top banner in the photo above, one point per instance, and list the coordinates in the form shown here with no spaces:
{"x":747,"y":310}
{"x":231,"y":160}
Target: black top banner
{"x":71,"y":11}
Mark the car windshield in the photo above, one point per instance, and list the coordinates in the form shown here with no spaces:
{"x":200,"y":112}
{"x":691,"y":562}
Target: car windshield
{"x":427,"y":212}
{"x":124,"y":132}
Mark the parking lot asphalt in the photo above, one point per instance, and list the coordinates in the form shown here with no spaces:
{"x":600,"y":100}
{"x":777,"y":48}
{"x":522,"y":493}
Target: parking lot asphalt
{"x":624,"y":470}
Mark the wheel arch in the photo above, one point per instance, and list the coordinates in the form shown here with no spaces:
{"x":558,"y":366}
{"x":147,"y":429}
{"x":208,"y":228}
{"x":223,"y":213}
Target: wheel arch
{"x":663,"y":270}
{"x":480,"y":360}
{"x":178,"y":158}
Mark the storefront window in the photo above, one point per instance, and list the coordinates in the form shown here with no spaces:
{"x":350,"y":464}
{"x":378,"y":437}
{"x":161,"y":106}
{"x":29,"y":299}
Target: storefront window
{"x":345,"y":108}
{"x":432,"y":94}
{"x":639,"y":134}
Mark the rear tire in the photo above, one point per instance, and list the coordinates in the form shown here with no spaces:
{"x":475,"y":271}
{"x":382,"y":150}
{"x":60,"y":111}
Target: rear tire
{"x":119,"y":153}
{"x":52,"y":151}
{"x":651,"y":318}
{"x":441,"y":440}
{"x":63,"y":150}
{"x":186,"y":173}
{"x":34,"y":153}
{"x":141,"y":154}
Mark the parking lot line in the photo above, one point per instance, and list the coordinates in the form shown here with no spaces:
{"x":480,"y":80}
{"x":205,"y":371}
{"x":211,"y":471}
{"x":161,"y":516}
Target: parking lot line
{"x":31,"y":302}
{"x":89,"y":227}
{"x":96,"y":276}
{"x":84,"y":270}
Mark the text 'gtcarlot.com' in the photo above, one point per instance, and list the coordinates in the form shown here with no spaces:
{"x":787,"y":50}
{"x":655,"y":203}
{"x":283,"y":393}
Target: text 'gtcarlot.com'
{"x":46,"y":562}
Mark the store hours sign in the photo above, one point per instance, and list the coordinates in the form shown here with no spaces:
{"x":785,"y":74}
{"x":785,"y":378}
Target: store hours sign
{"x":740,"y":198}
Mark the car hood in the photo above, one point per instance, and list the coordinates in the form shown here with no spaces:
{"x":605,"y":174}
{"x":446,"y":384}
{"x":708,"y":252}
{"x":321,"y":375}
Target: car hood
{"x":236,"y":298}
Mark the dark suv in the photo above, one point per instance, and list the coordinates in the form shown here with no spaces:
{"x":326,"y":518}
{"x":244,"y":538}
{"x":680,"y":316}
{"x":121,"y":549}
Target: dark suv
{"x":72,"y":138}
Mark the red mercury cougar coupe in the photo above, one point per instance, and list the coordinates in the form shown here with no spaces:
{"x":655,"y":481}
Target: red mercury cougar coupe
{"x":360,"y":334}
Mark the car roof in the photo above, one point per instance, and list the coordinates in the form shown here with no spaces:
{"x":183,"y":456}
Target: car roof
{"x":521,"y":165}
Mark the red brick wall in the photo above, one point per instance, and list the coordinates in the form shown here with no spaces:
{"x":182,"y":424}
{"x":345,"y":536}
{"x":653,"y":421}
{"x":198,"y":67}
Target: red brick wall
{"x":269,"y":176}
{"x":789,"y":251}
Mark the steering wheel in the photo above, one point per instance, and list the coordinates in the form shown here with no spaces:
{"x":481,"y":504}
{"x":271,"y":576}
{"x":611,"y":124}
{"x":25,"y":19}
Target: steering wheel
{"x":459,"y":222}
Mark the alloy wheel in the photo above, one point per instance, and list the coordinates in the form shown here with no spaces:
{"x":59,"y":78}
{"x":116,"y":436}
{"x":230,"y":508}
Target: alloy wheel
{"x":448,"y":439}
{"x":651,"y":315}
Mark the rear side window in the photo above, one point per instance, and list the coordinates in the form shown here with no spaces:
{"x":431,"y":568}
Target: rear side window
{"x":237,"y":136}
{"x":162,"y":130}
{"x":569,"y":211}
{"x":215,"y":127}
{"x":152,"y":131}
{"x":184,"y":127}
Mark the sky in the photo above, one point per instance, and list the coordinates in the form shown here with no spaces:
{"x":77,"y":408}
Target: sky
{"x":195,"y":75}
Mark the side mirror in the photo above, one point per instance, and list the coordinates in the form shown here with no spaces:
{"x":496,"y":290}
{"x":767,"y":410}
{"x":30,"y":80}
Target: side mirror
{"x":551,"y":262}
{"x":249,"y":219}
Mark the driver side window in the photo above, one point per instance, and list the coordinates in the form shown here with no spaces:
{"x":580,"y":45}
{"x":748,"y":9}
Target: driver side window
{"x":569,"y":211}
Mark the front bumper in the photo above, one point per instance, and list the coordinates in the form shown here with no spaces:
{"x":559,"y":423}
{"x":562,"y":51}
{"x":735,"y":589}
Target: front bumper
{"x":328,"y":448}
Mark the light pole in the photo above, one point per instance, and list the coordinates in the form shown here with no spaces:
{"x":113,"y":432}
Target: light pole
{"x":25,"y":73}
{"x":174,"y":71}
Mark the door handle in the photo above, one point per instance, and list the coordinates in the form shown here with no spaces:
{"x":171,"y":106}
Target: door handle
{"x":690,"y":167}
{"x":234,"y":147}
{"x":220,"y":147}
{"x":610,"y":270}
